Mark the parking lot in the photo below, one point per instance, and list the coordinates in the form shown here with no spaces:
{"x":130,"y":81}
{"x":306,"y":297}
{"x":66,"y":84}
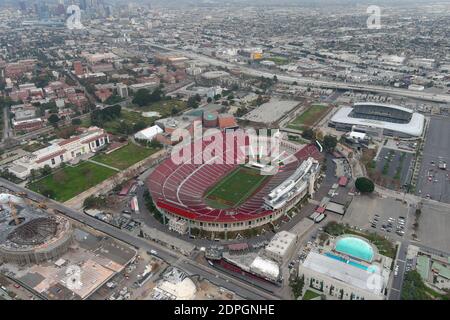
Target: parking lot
{"x":126,"y":285}
{"x":385,"y":216}
{"x":433,"y":182}
{"x":396,"y":167}
{"x":434,"y":224}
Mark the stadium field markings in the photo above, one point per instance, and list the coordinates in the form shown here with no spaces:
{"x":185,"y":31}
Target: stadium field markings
{"x":235,"y":188}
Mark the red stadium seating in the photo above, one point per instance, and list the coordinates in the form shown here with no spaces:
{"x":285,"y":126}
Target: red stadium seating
{"x":179,"y":189}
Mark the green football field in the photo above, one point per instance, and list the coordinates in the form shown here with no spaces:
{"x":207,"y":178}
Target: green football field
{"x":235,"y":188}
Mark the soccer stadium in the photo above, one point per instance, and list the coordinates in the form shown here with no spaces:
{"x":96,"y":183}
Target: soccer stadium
{"x":392,"y":120}
{"x":234,"y":195}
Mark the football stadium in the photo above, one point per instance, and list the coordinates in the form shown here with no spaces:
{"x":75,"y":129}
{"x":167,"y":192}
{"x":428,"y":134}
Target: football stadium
{"x":391,"y":120}
{"x":234,"y":195}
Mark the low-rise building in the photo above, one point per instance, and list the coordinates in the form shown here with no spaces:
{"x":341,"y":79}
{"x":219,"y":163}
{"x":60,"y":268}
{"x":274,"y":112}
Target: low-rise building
{"x":348,"y":268}
{"x":281,"y":246}
{"x":178,"y":225}
{"x":91,"y":140}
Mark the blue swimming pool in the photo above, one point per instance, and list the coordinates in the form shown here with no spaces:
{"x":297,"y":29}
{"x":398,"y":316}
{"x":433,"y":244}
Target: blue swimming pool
{"x":355,"y":247}
{"x":352,"y":263}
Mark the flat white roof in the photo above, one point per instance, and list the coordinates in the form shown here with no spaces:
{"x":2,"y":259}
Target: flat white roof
{"x":357,"y":135}
{"x":281,"y":242}
{"x":266,"y":267}
{"x":344,"y":272}
{"x":414,"y":127}
{"x":271,"y":111}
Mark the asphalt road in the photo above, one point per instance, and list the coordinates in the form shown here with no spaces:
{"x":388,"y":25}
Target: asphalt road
{"x":397,"y":282}
{"x":215,"y":276}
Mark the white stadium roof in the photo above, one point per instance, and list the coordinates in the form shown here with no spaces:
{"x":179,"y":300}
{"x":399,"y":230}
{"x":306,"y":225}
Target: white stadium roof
{"x":391,"y":106}
{"x":414,"y":127}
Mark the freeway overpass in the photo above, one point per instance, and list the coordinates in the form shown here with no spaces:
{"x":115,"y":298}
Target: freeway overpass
{"x":194,"y":268}
{"x":426,"y":96}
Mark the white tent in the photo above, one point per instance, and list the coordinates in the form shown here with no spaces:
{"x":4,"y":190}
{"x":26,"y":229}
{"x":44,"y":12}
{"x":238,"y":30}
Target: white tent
{"x":149,"y":133}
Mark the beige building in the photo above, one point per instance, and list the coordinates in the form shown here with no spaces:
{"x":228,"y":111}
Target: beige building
{"x":281,"y":246}
{"x":178,"y":225}
{"x":90,"y":141}
{"x":342,"y":280}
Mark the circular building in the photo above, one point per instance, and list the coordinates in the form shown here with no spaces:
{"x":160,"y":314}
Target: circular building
{"x":30,"y":235}
{"x":210,"y":119}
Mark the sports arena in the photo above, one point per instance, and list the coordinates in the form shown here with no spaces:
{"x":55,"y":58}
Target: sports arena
{"x":391,"y":120}
{"x":234,"y":195}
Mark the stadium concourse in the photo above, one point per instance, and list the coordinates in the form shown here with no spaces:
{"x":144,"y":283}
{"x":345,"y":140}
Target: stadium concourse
{"x":179,"y":190}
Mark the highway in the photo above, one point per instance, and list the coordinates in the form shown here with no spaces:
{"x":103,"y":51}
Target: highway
{"x":443,"y":98}
{"x":194,"y":268}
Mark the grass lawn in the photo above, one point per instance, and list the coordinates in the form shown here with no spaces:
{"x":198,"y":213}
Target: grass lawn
{"x":278,"y":60}
{"x":68,"y":182}
{"x":309,"y":117}
{"x":86,"y":122}
{"x":125,"y":156}
{"x":309,"y":295}
{"x":234,"y":188}
{"x":163,"y":107}
{"x":130,"y":118}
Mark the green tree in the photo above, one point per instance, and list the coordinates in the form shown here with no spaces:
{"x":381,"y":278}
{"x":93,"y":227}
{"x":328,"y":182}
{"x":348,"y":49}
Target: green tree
{"x":142,"y":97}
{"x":364,"y":185}
{"x":413,"y":287}
{"x":329,"y":143}
{"x":53,"y":119}
{"x":76,"y":121}
{"x":192,"y":102}
{"x":309,"y":134}
{"x":46,"y":170}
{"x":140,"y":125}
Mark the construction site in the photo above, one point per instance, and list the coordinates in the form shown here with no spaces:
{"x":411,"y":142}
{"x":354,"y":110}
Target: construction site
{"x":52,"y":256}
{"x":28,"y":233}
